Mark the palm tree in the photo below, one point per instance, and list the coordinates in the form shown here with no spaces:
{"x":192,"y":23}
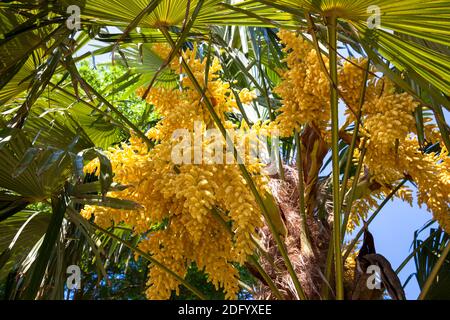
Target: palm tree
{"x":55,"y":120}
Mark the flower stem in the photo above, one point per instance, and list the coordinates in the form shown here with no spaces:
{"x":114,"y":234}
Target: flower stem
{"x":306,"y":243}
{"x":351,"y":148}
{"x":332,"y":39}
{"x":351,"y":195}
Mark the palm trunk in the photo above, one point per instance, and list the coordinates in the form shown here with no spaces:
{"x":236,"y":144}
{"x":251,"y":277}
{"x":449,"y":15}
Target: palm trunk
{"x":308,"y":259}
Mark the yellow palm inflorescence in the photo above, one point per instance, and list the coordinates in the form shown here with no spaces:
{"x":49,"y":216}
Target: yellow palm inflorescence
{"x":205,"y":211}
{"x":305,"y":88}
{"x":388,"y":128}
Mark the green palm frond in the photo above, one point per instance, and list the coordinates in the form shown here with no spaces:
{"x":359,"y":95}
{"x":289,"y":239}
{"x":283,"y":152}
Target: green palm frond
{"x":143,"y":61}
{"x":18,"y":82}
{"x":170,"y":13}
{"x":56,"y":119}
{"x":27,"y":184}
{"x":409,"y":57}
{"x":18,"y":234}
{"x":428,"y":252}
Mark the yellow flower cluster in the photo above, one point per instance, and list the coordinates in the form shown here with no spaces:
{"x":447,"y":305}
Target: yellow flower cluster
{"x":388,"y":126}
{"x":351,"y":78}
{"x":388,"y":117}
{"x":207,"y":213}
{"x":349,"y":271}
{"x":431,"y":172}
{"x":360,"y":209}
{"x":181,"y":108}
{"x":305,"y":89}
{"x":432,"y":133}
{"x":393,"y":152}
{"x":246,"y":96}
